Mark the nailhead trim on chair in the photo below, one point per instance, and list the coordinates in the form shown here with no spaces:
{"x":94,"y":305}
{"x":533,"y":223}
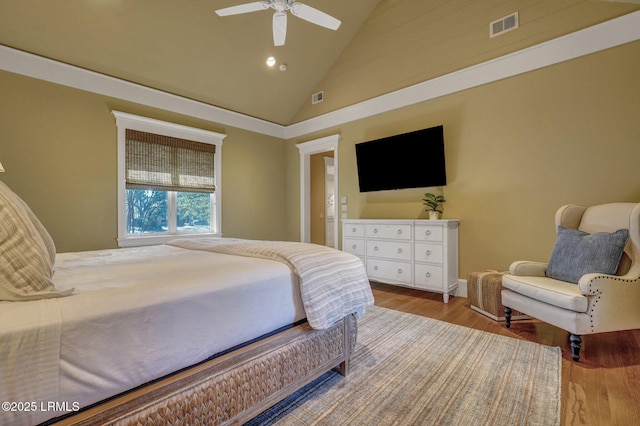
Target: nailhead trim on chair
{"x":593,"y":306}
{"x":599,"y":294}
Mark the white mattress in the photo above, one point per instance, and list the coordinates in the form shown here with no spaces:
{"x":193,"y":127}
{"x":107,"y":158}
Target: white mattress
{"x":127,"y":324}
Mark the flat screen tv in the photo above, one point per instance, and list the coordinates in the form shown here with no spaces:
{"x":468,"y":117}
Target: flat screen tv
{"x":409,"y":160}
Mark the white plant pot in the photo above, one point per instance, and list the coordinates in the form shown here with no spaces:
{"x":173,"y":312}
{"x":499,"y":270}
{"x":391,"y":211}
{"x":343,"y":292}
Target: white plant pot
{"x":433,"y":215}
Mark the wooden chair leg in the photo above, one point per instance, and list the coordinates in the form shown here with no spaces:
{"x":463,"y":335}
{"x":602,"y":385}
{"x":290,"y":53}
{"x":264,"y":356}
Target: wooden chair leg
{"x":507,"y":317}
{"x":576,"y":342}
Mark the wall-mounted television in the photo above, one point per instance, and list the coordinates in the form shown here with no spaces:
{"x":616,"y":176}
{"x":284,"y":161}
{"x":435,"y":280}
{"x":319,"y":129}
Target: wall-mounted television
{"x":409,"y":160}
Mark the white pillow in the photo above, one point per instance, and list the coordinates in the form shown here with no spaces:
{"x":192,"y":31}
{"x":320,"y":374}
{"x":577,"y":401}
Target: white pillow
{"x":27,"y":252}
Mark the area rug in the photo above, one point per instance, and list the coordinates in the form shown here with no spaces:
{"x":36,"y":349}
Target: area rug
{"x":412,"y":370}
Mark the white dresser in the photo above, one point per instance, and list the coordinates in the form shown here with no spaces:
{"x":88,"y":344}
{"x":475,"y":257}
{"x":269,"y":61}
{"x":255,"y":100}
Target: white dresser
{"x":413,"y":253}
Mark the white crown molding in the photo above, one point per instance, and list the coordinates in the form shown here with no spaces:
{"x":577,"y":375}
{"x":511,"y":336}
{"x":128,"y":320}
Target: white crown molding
{"x":612,"y":33}
{"x":30,"y":65}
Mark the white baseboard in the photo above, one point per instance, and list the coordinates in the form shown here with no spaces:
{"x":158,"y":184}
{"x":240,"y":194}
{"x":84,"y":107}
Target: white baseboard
{"x":462,"y":288}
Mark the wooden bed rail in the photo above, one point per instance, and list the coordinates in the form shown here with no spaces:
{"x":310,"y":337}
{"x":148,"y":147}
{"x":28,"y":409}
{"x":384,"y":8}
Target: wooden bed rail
{"x":234,"y":387}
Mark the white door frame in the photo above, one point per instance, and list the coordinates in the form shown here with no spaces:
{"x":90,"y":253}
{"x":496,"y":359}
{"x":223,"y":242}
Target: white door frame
{"x":307,"y":149}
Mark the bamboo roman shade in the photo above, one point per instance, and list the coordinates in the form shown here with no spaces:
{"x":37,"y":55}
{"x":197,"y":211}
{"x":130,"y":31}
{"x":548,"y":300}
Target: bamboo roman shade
{"x":166,"y":163}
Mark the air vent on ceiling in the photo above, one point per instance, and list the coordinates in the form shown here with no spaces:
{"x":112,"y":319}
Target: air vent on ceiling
{"x":502,"y":25}
{"x":317,"y":97}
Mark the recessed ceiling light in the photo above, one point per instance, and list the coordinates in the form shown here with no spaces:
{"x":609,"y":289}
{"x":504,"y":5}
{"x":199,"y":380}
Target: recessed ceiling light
{"x":271,"y":61}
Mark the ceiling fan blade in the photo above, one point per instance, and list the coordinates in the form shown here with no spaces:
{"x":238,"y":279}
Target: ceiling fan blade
{"x":279,"y":28}
{"x":243,"y":8}
{"x":314,"y":16}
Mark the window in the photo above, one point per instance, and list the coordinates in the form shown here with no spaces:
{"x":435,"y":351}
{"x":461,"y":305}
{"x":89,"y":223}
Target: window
{"x":168,"y":181}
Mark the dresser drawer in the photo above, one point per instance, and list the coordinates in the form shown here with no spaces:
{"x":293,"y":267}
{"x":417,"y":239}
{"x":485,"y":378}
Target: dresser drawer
{"x":421,"y":254}
{"x":354,"y":246}
{"x":389,"y":270}
{"x":428,"y":277}
{"x":396,"y":232}
{"x":396,"y":250}
{"x":353,"y":230}
{"x":433,"y":253}
{"x":428,"y":233}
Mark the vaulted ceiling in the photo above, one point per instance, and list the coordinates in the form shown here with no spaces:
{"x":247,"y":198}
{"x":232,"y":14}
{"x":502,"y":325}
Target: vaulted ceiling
{"x":182,"y":47}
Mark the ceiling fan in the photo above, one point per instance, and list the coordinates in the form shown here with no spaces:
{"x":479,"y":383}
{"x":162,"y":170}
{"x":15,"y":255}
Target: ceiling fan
{"x":281,"y":7}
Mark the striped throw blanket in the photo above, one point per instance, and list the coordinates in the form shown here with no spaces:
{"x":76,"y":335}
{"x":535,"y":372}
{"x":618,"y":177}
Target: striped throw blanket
{"x":333,"y":283}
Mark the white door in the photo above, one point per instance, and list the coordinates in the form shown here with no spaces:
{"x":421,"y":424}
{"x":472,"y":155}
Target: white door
{"x":330,"y":198}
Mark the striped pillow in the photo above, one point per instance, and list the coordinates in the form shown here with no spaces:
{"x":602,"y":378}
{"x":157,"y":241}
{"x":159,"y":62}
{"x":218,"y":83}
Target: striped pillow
{"x":27,"y":252}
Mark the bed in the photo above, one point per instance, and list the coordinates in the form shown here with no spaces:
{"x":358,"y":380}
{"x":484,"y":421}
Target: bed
{"x":209,"y":331}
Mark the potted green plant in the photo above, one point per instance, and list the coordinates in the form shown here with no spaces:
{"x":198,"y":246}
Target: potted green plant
{"x":433,"y":203}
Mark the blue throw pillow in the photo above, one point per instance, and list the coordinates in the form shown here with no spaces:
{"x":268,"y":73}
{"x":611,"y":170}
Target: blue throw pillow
{"x":577,"y":253}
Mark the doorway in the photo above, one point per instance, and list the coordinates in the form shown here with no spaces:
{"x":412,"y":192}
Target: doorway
{"x":326,"y":146}
{"x":322,"y":198}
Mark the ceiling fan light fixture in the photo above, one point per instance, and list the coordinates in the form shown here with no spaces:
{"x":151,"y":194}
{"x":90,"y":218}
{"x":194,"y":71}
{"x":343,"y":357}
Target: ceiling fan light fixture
{"x":279,"y":25}
{"x":279,"y":5}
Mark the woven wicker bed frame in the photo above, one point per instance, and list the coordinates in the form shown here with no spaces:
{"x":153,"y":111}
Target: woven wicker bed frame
{"x":235,"y":387}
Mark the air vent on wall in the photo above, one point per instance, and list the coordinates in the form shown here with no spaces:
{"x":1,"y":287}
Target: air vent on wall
{"x":502,"y":25}
{"x":317,"y":97}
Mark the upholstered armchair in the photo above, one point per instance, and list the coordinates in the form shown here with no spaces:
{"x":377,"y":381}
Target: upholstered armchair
{"x":591,"y":283}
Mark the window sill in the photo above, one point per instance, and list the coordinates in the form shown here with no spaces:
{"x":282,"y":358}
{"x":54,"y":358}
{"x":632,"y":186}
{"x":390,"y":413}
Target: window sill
{"x":151,"y":240}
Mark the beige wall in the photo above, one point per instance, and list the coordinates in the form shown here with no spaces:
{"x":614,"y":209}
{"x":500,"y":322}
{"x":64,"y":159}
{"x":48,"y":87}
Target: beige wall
{"x":58,"y":146}
{"x":517,"y":150}
{"x":408,"y":42}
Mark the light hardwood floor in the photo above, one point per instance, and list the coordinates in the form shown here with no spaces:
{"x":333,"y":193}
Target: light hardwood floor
{"x":603,"y":388}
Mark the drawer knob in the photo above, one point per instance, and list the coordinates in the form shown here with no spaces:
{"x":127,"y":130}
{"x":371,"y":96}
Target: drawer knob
{"x":399,"y":231}
{"x":428,"y":253}
{"x":428,"y":274}
{"x":427,"y":233}
{"x":353,"y":246}
{"x":400,"y":251}
{"x":353,"y":230}
{"x":375,"y":248}
{"x":375,"y":268}
{"x":399,"y":271}
{"x":375,"y":231}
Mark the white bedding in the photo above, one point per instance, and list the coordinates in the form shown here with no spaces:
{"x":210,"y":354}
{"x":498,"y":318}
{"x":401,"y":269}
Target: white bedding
{"x":333,"y":283}
{"x":194,"y":304}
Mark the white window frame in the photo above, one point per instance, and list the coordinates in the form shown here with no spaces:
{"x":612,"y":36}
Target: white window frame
{"x":126,"y":121}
